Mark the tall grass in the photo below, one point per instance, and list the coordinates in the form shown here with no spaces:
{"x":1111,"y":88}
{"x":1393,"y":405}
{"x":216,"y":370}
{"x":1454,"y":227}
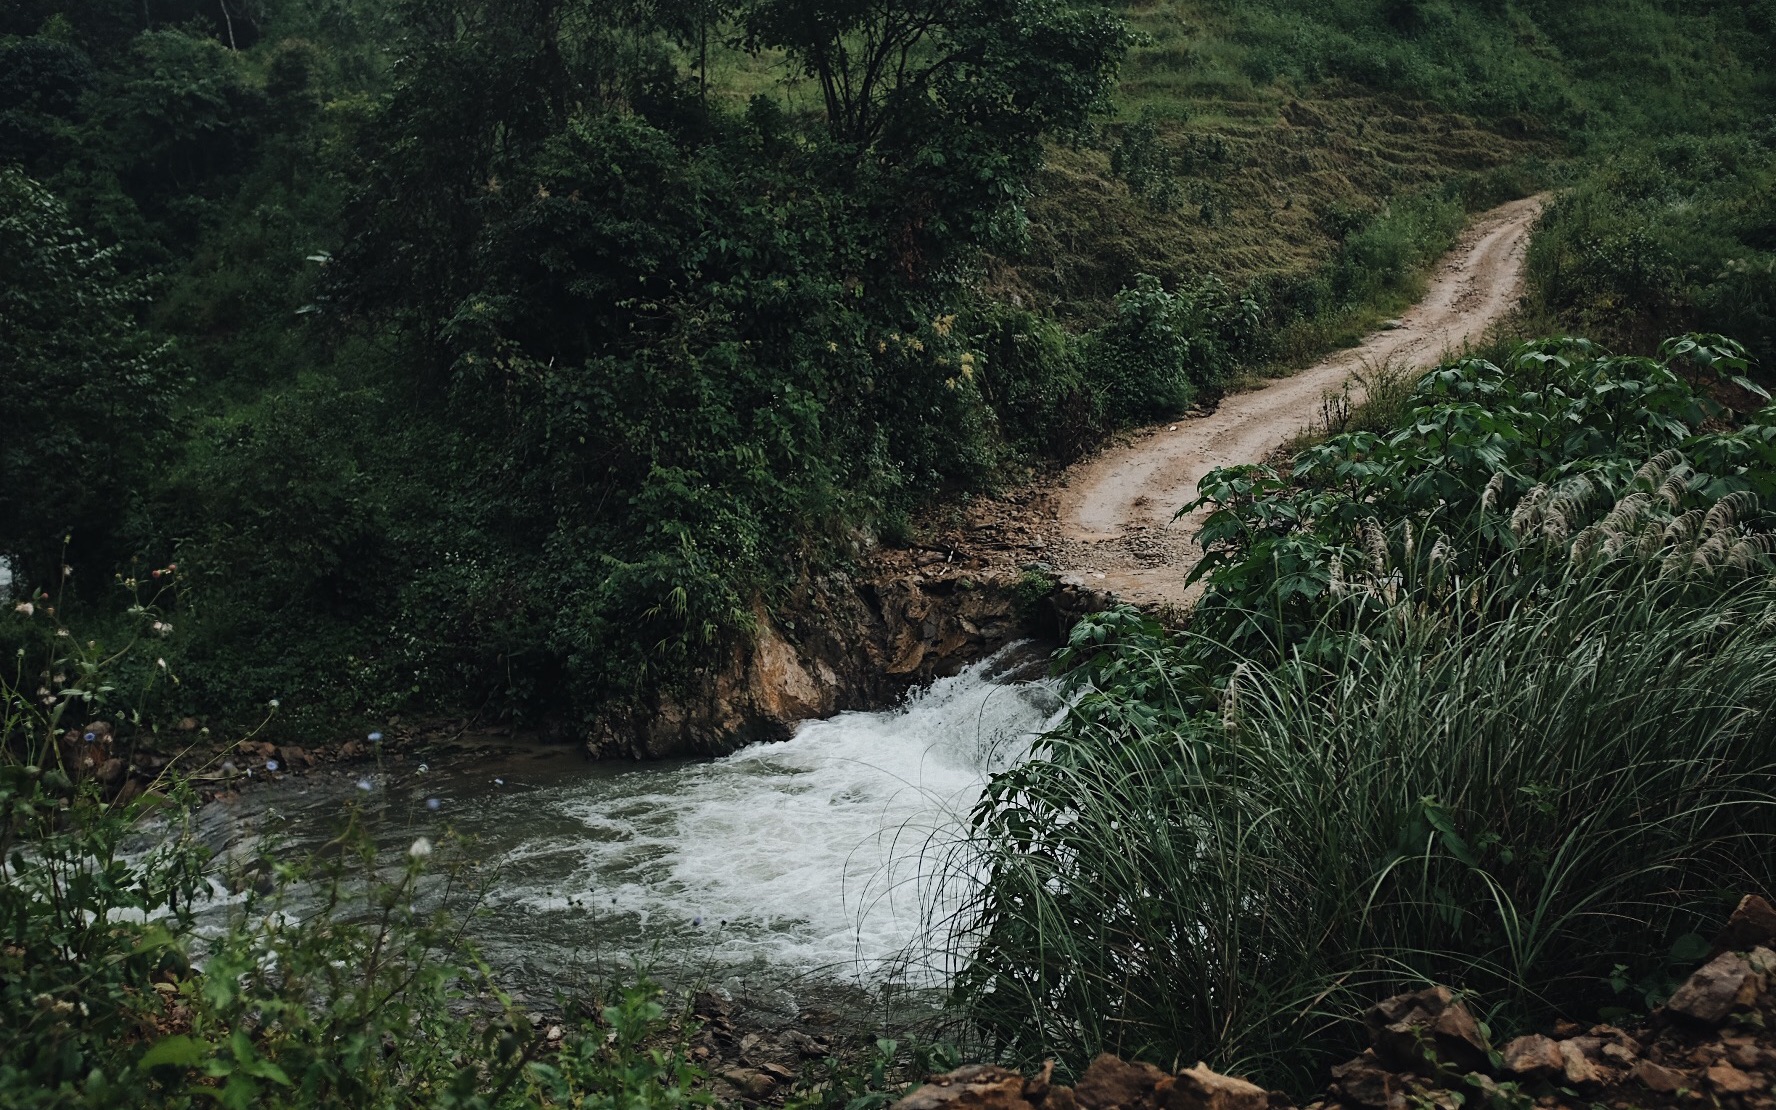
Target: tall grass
{"x":1544,"y":809}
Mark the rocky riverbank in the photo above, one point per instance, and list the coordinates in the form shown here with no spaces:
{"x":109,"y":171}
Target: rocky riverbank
{"x":1713,"y":1044}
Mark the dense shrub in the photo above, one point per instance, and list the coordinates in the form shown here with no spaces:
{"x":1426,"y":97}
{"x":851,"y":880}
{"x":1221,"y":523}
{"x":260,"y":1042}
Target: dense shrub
{"x":1680,"y":234}
{"x":1550,"y":807}
{"x":1476,"y":699}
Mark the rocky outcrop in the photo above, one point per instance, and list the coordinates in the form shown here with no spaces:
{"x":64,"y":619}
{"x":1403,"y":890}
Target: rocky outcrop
{"x":1712,"y":1045}
{"x":834,"y":644}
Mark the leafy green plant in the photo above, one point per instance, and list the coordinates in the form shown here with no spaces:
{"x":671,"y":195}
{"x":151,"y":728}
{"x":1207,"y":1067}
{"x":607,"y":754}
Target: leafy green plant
{"x":1512,"y":793}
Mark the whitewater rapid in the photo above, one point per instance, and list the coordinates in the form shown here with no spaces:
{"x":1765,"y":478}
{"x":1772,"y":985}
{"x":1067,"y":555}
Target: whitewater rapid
{"x":834,"y":854}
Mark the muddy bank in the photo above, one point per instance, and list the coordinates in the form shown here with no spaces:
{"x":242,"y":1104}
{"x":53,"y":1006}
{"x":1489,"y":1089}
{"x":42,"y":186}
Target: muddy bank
{"x":848,"y":643}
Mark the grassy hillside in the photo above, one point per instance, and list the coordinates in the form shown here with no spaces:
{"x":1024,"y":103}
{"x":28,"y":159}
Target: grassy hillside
{"x":543,"y":416}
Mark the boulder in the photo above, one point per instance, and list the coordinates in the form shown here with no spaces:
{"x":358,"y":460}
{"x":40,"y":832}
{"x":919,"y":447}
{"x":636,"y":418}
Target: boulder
{"x":1427,"y":1031}
{"x":1720,"y":986}
{"x":1112,"y":1082}
{"x":1534,"y":1057}
{"x":974,"y":1087}
{"x":1364,"y":1082}
{"x":1657,"y":1077}
{"x":751,"y":1083}
{"x":1753,"y":923}
{"x":1578,"y":1068}
{"x":1729,"y":1080}
{"x":1199,"y":1088}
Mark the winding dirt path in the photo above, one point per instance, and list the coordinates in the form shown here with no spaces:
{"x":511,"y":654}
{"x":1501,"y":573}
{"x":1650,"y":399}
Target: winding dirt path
{"x":1117,"y":532}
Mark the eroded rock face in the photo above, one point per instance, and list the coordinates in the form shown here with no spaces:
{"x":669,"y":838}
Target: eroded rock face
{"x":835,"y":644}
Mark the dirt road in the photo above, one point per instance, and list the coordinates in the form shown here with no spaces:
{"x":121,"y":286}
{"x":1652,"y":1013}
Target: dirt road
{"x":1116,"y":526}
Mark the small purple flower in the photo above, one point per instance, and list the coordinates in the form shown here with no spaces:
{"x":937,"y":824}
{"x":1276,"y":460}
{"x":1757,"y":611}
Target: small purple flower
{"x":271,"y":765}
{"x":366,"y":785}
{"x":433,"y":804}
{"x":90,"y":737}
{"x":376,"y":737}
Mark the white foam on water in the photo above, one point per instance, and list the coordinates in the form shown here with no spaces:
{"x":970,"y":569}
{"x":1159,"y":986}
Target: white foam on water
{"x":818,"y":854}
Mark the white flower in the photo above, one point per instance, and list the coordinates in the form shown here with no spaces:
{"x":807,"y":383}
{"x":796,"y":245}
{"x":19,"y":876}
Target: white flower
{"x":421,"y":848}
{"x":273,"y":703}
{"x":161,"y":663}
{"x":24,"y":607}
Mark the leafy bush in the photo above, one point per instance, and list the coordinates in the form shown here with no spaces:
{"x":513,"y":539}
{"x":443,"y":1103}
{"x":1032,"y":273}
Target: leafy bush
{"x":1476,"y":699}
{"x":1680,"y":234}
{"x":1164,"y":350}
{"x":87,"y":394}
{"x":1557,"y":413}
{"x":341,"y":980}
{"x":1540,"y":807}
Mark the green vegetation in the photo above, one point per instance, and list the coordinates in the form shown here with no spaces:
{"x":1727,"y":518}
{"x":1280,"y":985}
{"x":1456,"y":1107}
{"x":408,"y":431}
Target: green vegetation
{"x":342,"y":979}
{"x":506,"y":356}
{"x":512,"y":356}
{"x":1476,"y":701}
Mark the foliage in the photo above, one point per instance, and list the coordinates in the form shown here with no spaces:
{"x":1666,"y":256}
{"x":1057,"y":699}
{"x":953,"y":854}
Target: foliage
{"x":339,"y":980}
{"x":1559,"y":417}
{"x":1513,"y":802}
{"x":1676,"y":234}
{"x":1467,"y":700}
{"x":86,"y":396}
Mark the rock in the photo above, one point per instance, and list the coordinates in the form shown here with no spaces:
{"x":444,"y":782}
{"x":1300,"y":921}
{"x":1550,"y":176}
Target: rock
{"x":754,"y":1084}
{"x":1534,"y":1057}
{"x":187,"y":724}
{"x":977,"y":1087}
{"x":1199,"y":1088}
{"x":803,"y":1045}
{"x":1427,"y":1031}
{"x":1745,"y":1056}
{"x":1729,"y":1080}
{"x":1716,"y":989}
{"x":1657,"y":1077}
{"x":1579,"y":1070}
{"x":110,"y":772}
{"x":1110,"y":1081}
{"x":1753,"y":923}
{"x":777,"y":1072}
{"x":1364,"y":1082}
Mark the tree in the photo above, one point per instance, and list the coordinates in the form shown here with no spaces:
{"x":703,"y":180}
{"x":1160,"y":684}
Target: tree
{"x":84,"y":393}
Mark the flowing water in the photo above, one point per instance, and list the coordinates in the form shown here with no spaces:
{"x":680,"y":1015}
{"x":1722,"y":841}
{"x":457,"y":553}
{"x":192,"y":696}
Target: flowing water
{"x":814,"y":861}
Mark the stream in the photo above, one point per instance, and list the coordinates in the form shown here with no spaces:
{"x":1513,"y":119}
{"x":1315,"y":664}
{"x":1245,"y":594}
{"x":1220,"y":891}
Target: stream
{"x":808,"y":870}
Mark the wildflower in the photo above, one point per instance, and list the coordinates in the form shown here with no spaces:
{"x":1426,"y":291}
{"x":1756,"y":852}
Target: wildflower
{"x":67,"y":571}
{"x":24,"y":607}
{"x":271,"y":765}
{"x":433,"y":804}
{"x":64,"y":633}
{"x":366,"y":785}
{"x":421,"y":848}
{"x":90,"y":737}
{"x":423,"y":768}
{"x":273,"y":703}
{"x":161,"y":663}
{"x":376,"y":737}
